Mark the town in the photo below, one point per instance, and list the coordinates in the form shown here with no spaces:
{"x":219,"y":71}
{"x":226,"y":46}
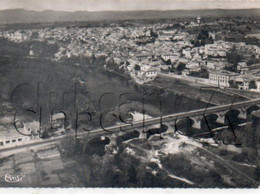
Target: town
{"x":143,"y":52}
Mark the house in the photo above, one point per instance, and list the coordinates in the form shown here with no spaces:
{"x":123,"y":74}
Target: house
{"x":195,"y":69}
{"x":258,"y":85}
{"x":242,"y":67}
{"x":145,"y":74}
{"x":187,"y":53}
{"x":221,"y":78}
{"x":211,"y":50}
{"x":215,"y":65}
{"x":144,"y":55}
{"x":222,"y":53}
{"x":180,"y":36}
{"x":192,"y":64}
{"x":25,"y":132}
{"x":185,"y":72}
{"x":12,"y":138}
{"x":173,"y":57}
{"x":58,"y":121}
{"x":166,"y":35}
{"x":243,"y":81}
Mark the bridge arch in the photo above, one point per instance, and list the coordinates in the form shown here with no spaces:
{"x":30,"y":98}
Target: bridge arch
{"x":253,"y":108}
{"x":232,"y":117}
{"x":180,"y":124}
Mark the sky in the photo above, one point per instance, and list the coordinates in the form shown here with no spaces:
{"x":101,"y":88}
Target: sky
{"x":123,"y":5}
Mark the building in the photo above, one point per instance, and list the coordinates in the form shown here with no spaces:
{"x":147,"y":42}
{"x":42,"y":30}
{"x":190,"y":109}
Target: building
{"x":192,"y":65}
{"x":258,"y":85}
{"x":242,"y":67}
{"x":198,"y":19}
{"x":145,"y":74}
{"x":185,"y":72}
{"x":24,"y":133}
{"x":173,"y":57}
{"x":164,"y":35}
{"x":243,"y":82}
{"x":215,"y":65}
{"x":58,"y":121}
{"x":12,"y":138}
{"x":221,"y":78}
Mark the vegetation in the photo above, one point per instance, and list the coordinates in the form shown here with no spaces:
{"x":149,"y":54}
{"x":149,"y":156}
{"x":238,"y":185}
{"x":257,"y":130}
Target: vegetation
{"x":203,"y":38}
{"x":252,"y":60}
{"x":233,"y":84}
{"x":181,"y":66}
{"x":70,"y":147}
{"x":252,"y":85}
{"x":137,"y":67}
{"x":202,"y":74}
{"x":40,"y":49}
{"x":233,"y":56}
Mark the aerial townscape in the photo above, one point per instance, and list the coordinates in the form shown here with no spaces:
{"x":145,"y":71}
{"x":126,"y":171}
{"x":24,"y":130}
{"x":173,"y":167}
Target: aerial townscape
{"x":186,"y":50}
{"x":159,"y":102}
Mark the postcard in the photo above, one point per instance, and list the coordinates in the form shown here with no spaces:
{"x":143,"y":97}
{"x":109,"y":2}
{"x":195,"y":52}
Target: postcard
{"x":155,"y":94}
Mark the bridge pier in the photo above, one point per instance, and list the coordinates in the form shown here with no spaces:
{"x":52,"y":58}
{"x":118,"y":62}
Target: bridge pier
{"x":172,"y":126}
{"x":142,"y":135}
{"x":221,"y":117}
{"x":242,"y":113}
{"x":196,"y":121}
{"x":171,"y":129}
{"x":112,"y":146}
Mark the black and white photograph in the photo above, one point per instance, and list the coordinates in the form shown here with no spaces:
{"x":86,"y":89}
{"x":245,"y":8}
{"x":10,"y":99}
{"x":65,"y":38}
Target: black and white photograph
{"x":130,"y":94}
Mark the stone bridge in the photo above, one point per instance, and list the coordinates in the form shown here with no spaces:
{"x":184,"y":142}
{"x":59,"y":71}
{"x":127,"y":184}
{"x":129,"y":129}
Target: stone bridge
{"x":243,"y":109}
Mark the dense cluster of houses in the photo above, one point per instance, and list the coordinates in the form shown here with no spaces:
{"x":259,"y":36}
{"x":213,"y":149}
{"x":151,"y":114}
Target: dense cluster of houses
{"x":151,"y":48}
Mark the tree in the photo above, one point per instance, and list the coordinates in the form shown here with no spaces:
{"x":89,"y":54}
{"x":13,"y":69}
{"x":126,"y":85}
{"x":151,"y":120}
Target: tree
{"x":35,"y":35}
{"x":233,"y":84}
{"x":252,"y":60}
{"x":252,"y":85}
{"x":70,"y":146}
{"x":153,"y":34}
{"x":203,"y":35}
{"x":202,"y":73}
{"x":233,"y":56}
{"x":181,"y":67}
{"x":137,"y":67}
{"x":168,"y":62}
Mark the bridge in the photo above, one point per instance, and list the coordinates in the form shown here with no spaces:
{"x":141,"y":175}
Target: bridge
{"x":244,"y":109}
{"x":196,"y":115}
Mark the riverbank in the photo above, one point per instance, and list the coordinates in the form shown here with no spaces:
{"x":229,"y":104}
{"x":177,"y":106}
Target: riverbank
{"x":195,"y":90}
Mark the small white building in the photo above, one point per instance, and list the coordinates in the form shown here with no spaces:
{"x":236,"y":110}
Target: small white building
{"x":214,"y":65}
{"x":173,"y":57}
{"x":146,"y":74}
{"x":24,"y":133}
{"x":258,"y":85}
{"x":242,"y":67}
{"x":58,"y":121}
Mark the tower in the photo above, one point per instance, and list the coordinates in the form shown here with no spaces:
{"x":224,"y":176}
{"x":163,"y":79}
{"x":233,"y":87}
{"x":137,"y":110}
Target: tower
{"x":198,"y":19}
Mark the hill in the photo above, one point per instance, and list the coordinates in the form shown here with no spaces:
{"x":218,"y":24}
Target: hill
{"x":26,"y":16}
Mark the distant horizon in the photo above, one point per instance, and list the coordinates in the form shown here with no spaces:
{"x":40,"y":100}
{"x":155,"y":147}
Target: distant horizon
{"x":198,"y":9}
{"x":126,"y":5}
